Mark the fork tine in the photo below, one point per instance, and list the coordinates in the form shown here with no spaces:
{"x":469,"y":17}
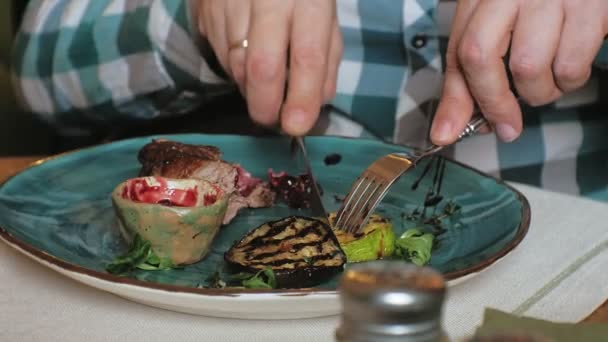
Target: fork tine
{"x":370,"y":206}
{"x":375,"y":183}
{"x":351,"y":225}
{"x":361,"y":190}
{"x":348,"y":201}
{"x":364,"y":208}
{"x":369,"y":189}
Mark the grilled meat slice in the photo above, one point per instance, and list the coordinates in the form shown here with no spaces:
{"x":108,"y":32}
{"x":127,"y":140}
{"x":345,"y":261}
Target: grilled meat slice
{"x":172,"y":159}
{"x":162,"y":153}
{"x":259,"y":197}
{"x":301,"y":251}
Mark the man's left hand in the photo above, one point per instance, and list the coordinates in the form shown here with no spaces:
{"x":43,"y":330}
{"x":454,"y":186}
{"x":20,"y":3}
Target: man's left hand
{"x":552,"y":44}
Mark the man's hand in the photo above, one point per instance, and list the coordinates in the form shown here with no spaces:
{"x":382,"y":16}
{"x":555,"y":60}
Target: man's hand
{"x":552,"y":47}
{"x":308,"y":30}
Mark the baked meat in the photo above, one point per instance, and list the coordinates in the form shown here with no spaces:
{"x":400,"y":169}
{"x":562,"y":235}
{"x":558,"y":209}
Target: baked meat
{"x":172,"y":159}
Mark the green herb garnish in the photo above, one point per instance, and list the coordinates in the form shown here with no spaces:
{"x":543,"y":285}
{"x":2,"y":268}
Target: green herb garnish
{"x":141,"y":256}
{"x":264,"y":279}
{"x":435,"y":221}
{"x":215,"y":281}
{"x":414,"y":246}
{"x":155,"y":263}
{"x":450,"y":209}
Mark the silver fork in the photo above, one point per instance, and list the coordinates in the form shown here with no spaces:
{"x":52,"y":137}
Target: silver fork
{"x":373,"y":184}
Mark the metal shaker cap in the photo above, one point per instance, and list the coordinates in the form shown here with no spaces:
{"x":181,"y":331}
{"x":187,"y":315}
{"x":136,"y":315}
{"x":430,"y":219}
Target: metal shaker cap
{"x":390,"y":300}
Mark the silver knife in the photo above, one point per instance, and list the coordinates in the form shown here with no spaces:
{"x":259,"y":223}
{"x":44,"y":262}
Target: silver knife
{"x":316,"y":204}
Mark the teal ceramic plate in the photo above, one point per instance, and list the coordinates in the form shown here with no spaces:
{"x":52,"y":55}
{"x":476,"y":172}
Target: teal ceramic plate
{"x":59,"y":212}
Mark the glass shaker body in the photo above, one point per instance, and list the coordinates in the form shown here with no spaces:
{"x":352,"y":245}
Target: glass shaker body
{"x":391,"y":300}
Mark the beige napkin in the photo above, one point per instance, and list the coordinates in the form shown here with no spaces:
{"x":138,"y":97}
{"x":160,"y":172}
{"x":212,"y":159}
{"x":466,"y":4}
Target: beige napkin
{"x":498,"y":323}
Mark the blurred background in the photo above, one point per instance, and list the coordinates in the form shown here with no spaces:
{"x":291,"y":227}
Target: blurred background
{"x":20,"y":133}
{"x":23,"y":134}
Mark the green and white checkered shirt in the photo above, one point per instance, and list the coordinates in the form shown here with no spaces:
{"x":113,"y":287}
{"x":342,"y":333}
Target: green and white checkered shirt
{"x":83,"y":65}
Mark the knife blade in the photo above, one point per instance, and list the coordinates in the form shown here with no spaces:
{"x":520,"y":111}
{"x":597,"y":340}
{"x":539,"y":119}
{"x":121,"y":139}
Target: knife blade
{"x":298,"y":150}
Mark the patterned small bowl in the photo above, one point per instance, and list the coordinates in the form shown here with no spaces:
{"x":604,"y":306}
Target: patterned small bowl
{"x":179,"y":217}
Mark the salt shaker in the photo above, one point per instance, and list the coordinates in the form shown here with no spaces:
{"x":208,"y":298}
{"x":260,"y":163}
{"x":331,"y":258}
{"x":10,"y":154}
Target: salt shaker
{"x":391,"y":300}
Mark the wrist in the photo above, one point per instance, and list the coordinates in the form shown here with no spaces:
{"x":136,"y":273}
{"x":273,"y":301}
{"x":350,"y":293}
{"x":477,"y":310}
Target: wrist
{"x":197,"y":30}
{"x":201,"y":41}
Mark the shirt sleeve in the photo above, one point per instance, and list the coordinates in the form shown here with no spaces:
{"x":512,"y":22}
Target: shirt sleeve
{"x":602,"y":57}
{"x":86,"y":65}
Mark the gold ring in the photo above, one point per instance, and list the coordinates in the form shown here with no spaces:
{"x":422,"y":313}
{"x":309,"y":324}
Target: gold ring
{"x":242,"y":44}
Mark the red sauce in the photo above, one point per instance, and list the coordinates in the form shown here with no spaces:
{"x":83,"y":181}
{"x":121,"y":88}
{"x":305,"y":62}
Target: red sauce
{"x":209,"y":198}
{"x":139,"y":190}
{"x":296,"y":191}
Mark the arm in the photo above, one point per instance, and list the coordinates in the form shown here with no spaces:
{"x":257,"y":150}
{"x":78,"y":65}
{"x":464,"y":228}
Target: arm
{"x":85,"y":66}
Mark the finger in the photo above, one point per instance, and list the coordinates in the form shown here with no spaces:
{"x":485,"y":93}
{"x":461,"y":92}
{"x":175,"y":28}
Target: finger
{"x":266,"y":59}
{"x":309,"y":53}
{"x":456,"y":105}
{"x":582,"y":37}
{"x":335,"y":56}
{"x":480,"y":54}
{"x":484,"y":130}
{"x":238,"y":13}
{"x":533,"y":48}
{"x":212,"y":22}
{"x":195,"y":10}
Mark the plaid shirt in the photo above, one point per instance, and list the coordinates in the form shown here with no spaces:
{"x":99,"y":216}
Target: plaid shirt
{"x":82,"y":65}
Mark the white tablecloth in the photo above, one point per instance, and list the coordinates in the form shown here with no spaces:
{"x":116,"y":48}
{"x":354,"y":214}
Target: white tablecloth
{"x":558,"y":273}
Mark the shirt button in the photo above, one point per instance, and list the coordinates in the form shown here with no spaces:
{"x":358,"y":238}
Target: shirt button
{"x":419,"y":40}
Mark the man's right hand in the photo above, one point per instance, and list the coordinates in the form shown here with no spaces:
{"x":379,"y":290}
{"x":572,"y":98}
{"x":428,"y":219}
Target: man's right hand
{"x":307,"y":29}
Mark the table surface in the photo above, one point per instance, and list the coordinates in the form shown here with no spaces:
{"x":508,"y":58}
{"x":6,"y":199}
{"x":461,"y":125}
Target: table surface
{"x":12,"y":165}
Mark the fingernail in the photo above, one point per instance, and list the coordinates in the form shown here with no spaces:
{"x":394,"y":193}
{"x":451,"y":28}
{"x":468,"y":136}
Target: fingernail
{"x":442,"y":132}
{"x":506,"y":132}
{"x":296,"y":122}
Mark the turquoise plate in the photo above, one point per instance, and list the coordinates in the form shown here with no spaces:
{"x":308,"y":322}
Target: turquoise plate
{"x":59,"y":212}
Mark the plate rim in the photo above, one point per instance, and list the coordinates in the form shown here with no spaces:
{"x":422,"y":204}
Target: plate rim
{"x":22,"y":246}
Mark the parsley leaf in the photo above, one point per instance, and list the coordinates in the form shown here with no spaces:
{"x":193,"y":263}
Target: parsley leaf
{"x":140,"y":255}
{"x":137,"y":254}
{"x":414,"y":246}
{"x":264,"y":279}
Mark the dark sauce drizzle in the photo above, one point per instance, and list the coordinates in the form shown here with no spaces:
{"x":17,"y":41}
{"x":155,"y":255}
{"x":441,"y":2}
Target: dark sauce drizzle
{"x":432,"y":197}
{"x":332,"y":159}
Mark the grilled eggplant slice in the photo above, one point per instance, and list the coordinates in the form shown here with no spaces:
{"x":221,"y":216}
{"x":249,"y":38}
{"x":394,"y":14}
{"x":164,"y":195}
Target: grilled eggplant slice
{"x":301,"y":251}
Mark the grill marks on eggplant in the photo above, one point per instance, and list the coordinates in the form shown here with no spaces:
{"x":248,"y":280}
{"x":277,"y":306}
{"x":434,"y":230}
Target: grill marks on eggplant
{"x":286,"y":244}
{"x":259,"y":239}
{"x":301,"y":251}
